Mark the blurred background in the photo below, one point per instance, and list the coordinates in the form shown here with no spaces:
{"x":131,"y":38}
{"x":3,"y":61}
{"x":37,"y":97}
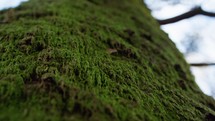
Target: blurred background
{"x":194,"y":37}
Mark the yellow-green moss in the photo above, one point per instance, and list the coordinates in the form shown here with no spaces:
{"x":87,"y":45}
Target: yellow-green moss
{"x":93,"y":60}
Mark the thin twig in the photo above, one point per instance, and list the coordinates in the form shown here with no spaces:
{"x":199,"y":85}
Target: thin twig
{"x":189,"y":14}
{"x":202,"y":64}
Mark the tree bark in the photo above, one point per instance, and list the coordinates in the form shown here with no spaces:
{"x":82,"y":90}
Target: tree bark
{"x":93,"y":60}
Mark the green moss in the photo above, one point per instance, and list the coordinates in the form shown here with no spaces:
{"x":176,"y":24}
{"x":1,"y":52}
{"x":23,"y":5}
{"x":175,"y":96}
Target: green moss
{"x":93,"y":60}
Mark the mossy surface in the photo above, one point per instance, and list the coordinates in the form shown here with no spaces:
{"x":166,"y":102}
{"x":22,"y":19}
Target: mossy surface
{"x":93,"y":60}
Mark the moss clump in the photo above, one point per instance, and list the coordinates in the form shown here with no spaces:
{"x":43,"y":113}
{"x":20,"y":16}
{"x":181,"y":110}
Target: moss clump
{"x":93,"y":60}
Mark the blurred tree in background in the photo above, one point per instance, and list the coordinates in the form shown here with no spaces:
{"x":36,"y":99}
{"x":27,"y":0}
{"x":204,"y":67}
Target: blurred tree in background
{"x":193,"y":41}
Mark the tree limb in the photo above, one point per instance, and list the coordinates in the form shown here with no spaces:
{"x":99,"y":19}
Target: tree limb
{"x":189,"y":14}
{"x":202,"y":64}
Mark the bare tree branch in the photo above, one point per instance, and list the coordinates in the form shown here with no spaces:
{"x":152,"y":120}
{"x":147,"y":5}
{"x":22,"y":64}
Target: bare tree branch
{"x":189,"y":14}
{"x":202,"y":64}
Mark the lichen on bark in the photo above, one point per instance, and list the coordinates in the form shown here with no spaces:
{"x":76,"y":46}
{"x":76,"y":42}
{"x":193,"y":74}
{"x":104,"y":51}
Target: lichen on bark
{"x":93,"y":60}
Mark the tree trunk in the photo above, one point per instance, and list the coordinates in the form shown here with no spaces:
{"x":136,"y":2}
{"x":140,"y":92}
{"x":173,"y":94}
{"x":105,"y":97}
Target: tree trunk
{"x":93,"y":60}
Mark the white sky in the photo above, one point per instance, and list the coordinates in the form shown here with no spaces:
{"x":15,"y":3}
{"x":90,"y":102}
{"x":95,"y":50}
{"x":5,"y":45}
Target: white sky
{"x":9,"y":3}
{"x":205,"y":26}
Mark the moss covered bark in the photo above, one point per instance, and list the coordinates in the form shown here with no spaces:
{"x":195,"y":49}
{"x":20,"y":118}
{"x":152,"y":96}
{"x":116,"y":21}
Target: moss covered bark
{"x":96,"y":60}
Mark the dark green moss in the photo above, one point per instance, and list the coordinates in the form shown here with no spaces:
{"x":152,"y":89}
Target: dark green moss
{"x":93,"y":60}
